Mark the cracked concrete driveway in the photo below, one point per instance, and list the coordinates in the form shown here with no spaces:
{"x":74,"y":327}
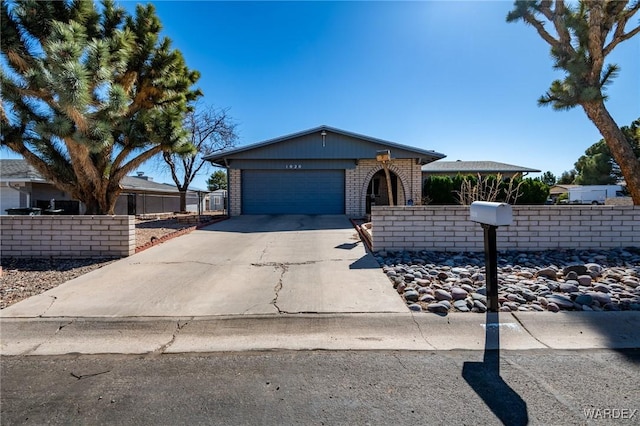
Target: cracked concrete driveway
{"x":245,"y":265}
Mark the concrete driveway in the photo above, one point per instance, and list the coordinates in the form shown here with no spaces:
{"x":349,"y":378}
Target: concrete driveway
{"x":245,"y":265}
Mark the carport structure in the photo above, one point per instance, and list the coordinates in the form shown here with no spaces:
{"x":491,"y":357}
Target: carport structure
{"x":323,"y":170}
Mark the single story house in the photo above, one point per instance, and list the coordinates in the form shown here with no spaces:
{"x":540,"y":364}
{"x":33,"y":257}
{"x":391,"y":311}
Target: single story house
{"x":141,"y":195}
{"x":323,"y":170}
{"x":482,"y":168}
{"x":21,"y":185}
{"x":217,"y":200}
{"x":556,"y":190}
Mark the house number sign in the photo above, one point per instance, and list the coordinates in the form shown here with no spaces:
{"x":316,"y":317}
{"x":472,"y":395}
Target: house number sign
{"x":293,"y":166}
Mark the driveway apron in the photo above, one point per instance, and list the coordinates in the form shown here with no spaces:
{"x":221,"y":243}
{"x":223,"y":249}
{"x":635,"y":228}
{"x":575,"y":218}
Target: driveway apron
{"x":244,"y":265}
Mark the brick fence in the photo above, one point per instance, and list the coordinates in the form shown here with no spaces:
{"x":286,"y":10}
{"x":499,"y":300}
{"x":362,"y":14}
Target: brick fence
{"x":67,"y":236}
{"x":448,"y":228}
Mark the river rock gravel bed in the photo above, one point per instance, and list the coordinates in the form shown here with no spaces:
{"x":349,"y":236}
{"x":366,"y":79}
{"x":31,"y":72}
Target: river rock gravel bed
{"x":557,"y":280}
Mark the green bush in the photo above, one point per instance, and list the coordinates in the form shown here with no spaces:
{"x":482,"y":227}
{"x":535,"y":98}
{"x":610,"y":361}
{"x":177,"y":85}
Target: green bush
{"x":439,"y":190}
{"x":444,"y":190}
{"x":533,"y":191}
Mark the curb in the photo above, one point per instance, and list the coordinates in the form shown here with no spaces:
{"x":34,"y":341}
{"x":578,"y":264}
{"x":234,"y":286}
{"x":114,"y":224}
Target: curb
{"x":312,"y":332}
{"x":364,"y":236}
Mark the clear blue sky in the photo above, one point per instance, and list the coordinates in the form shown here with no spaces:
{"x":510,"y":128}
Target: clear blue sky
{"x":450,"y":76}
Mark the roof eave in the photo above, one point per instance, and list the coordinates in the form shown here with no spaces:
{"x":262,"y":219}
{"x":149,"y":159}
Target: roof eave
{"x":220,"y":159}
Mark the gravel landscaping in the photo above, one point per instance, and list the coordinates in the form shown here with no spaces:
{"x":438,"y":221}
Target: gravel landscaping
{"x":557,"y":280}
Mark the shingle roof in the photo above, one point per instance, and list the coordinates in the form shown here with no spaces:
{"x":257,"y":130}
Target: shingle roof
{"x":141,"y":184}
{"x":18,"y":170}
{"x":561,"y":189}
{"x":474,"y":167}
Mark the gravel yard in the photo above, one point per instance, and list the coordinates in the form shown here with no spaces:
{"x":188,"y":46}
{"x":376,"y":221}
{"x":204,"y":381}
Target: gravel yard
{"x":23,"y":278}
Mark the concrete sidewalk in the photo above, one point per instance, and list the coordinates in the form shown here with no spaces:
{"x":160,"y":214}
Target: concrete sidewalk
{"x":408,"y":331}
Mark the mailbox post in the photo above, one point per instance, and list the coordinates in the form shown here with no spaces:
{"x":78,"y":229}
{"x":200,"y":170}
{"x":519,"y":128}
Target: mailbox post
{"x":490,"y":216}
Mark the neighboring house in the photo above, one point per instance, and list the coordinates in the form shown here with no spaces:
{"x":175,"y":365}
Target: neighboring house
{"x":323,"y":170}
{"x":557,"y":190}
{"x":141,"y":195}
{"x":482,"y":168}
{"x":22,"y":186}
{"x":218,"y":200}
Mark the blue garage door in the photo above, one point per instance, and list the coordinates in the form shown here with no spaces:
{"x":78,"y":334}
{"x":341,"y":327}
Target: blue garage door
{"x":293,"y":191}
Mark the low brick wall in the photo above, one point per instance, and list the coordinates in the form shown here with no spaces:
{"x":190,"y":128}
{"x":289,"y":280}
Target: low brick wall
{"x":448,"y":228}
{"x":67,"y":236}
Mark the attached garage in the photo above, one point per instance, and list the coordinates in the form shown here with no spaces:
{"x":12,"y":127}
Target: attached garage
{"x":293,"y":192}
{"x":321,"y":171}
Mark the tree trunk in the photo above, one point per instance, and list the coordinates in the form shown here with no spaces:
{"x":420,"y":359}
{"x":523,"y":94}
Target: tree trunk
{"x":183,"y":201}
{"x":101,"y":200}
{"x":620,"y":148}
{"x":92,"y":207}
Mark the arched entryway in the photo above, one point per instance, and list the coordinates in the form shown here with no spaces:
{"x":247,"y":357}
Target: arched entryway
{"x":377,"y":193}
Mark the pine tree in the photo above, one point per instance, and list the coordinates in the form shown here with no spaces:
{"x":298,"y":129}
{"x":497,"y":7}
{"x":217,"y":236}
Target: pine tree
{"x":548,"y":178}
{"x":218,"y":180}
{"x":585,"y":34}
{"x":89,"y":93}
{"x":598,"y":167}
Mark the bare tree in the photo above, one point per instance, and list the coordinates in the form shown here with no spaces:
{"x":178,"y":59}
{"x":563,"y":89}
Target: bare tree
{"x":210,"y":129}
{"x":488,"y":189}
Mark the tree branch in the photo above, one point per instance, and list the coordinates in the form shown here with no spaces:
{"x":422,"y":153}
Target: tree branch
{"x":135,"y":163}
{"x":168,"y":158}
{"x":41,"y":166}
{"x":539,"y":26}
{"x":558,"y":23}
{"x":596,"y":41}
{"x":619,"y":38}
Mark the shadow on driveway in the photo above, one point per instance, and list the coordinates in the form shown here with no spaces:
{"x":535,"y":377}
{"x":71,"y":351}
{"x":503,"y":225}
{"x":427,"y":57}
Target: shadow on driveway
{"x":281,"y":223}
{"x":484,"y":378}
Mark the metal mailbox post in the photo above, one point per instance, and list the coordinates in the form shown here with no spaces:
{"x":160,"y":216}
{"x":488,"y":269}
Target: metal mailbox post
{"x":490,"y":216}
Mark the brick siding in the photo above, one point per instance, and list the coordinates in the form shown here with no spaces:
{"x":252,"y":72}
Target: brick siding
{"x":67,"y":236}
{"x":357,"y":181}
{"x":235,"y":192}
{"x":448,"y":228}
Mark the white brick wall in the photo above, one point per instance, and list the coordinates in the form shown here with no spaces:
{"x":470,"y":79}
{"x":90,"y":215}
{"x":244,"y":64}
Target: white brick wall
{"x":67,"y":236}
{"x":448,"y":228}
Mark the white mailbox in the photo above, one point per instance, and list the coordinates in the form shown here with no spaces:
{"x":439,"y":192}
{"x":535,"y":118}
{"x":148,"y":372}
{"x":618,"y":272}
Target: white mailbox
{"x":495,"y":214}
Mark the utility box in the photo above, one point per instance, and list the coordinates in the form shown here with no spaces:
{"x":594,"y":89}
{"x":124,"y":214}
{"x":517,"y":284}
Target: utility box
{"x":488,"y":213}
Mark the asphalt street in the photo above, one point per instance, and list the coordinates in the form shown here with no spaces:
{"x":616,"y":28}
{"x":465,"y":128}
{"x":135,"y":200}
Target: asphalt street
{"x":550,"y":387}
